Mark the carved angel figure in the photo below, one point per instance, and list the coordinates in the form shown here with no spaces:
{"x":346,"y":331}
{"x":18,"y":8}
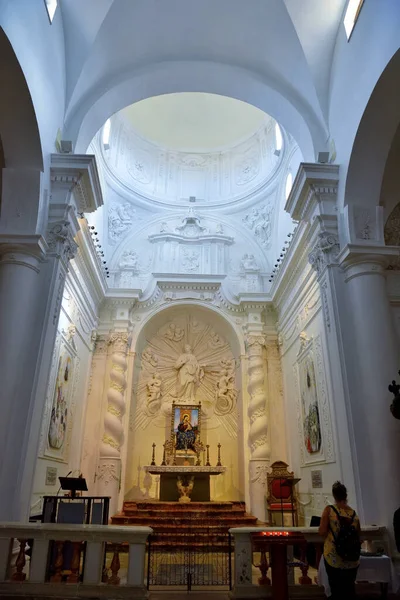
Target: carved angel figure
{"x":149,"y":358}
{"x":174,"y":333}
{"x":249,"y":263}
{"x":225,"y":394}
{"x":154,"y":393}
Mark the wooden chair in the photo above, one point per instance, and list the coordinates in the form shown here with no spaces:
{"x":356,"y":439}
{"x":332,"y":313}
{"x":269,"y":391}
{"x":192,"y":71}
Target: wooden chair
{"x":281,"y":497}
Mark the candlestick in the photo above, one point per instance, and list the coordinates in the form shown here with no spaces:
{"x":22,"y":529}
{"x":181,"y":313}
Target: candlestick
{"x":174,"y":461}
{"x":208,"y":455}
{"x":219,"y":455}
{"x":163,"y":456}
{"x":153,"y":456}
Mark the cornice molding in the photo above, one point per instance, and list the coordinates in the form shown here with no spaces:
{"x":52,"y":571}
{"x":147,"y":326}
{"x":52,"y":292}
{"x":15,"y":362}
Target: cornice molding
{"x":78,"y":173}
{"x":315,"y":184}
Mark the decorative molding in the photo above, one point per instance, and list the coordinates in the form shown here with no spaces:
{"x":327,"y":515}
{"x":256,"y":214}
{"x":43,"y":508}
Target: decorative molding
{"x":325,"y":252}
{"x":77,"y":173}
{"x":314,"y":190}
{"x":325,"y":304}
{"x":108,"y":471}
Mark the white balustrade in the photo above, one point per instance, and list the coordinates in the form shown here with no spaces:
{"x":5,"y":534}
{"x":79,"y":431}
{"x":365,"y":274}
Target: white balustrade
{"x":245,"y":584}
{"x":29,"y":574}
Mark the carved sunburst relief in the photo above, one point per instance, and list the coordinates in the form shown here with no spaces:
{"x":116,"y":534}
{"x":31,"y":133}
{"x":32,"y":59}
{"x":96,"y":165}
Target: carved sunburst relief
{"x":187,"y":361}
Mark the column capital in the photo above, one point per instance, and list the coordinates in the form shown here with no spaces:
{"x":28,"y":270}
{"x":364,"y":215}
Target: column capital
{"x":119,"y":341}
{"x":356,"y":260}
{"x":60,"y":237}
{"x":324,"y":252}
{"x":255,"y":339}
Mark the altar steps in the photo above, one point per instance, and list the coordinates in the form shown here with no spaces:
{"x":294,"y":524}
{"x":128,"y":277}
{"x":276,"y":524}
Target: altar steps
{"x":194,"y":518}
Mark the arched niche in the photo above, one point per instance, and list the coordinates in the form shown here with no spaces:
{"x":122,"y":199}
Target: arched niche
{"x":374,"y":139}
{"x":213,"y":340}
{"x":18,"y":125}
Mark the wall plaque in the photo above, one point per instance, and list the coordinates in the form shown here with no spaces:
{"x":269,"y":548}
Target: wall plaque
{"x":51,"y":476}
{"x":316,"y":479}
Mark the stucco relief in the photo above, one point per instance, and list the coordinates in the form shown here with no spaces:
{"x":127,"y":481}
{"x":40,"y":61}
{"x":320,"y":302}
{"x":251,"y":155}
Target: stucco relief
{"x":120,"y":220}
{"x":247,"y":168}
{"x":170,"y":175}
{"x":187,"y":361}
{"x":190,"y":260}
{"x":259,"y":220}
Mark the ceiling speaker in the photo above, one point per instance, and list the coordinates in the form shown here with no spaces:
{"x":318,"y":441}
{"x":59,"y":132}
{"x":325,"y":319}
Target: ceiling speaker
{"x":66,"y":146}
{"x":323,"y":157}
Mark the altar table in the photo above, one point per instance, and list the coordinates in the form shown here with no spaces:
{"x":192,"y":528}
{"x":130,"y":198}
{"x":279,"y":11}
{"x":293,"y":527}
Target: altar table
{"x":168,"y":480}
{"x":374,"y":569}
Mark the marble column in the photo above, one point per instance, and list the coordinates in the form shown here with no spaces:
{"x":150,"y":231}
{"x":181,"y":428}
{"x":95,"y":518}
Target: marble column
{"x":372,"y":362}
{"x":109,"y":472}
{"x":19,"y":274}
{"x":32,"y":275}
{"x":258,"y":432}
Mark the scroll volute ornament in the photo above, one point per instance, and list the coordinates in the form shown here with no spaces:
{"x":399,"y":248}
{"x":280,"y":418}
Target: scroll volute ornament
{"x":395,"y":406}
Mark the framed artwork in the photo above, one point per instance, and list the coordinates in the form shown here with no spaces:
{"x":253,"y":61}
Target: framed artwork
{"x":313,"y":411}
{"x":185,"y":426}
{"x":309,"y":406}
{"x":60,"y":420}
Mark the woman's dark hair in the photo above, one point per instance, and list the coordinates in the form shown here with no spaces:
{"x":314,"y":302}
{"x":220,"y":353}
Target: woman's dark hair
{"x":339,"y":491}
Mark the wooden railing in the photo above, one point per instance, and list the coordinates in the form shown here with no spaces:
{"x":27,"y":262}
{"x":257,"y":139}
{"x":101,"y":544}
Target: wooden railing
{"x":72,"y":560}
{"x":288,"y":549}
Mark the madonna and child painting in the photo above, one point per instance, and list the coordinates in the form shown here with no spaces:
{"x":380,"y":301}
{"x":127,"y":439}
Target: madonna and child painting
{"x":185,"y":427}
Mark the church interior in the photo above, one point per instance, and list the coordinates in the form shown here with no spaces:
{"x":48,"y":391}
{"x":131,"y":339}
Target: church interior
{"x":199,"y":293}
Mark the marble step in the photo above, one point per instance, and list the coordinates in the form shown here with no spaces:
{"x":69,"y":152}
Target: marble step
{"x":188,"y":514}
{"x":190,"y":507}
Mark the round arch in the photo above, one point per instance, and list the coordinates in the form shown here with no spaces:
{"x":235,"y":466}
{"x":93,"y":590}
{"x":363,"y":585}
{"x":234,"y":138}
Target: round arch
{"x":202,"y":323}
{"x":18,"y":125}
{"x":282,"y":103}
{"x":376,"y":132}
{"x":157,"y":317}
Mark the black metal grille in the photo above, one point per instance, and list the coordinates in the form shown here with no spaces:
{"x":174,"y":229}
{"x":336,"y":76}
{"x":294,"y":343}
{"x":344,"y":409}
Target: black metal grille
{"x":189,"y":557}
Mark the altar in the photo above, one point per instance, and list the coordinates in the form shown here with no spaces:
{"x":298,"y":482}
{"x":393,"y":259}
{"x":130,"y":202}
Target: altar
{"x":182,"y":483}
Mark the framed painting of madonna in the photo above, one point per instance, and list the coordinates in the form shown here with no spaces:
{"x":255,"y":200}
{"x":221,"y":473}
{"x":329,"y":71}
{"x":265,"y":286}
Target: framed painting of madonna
{"x":185,"y":428}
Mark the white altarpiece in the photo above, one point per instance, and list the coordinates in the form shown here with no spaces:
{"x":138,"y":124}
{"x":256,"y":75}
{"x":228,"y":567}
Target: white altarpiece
{"x":185,"y":361}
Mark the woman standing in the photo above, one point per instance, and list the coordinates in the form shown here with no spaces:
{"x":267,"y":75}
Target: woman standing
{"x":340,"y":526}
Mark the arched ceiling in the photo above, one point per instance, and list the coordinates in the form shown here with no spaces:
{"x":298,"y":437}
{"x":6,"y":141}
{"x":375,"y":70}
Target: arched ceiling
{"x":194,"y":121}
{"x":273,"y":56}
{"x":170,"y":148}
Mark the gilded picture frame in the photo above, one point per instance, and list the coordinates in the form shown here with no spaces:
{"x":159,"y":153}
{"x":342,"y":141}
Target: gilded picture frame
{"x":185,"y":427}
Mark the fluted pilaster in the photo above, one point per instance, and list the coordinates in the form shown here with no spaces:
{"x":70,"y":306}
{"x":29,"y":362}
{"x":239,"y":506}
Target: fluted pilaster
{"x":258,"y":433}
{"x":113,"y":437}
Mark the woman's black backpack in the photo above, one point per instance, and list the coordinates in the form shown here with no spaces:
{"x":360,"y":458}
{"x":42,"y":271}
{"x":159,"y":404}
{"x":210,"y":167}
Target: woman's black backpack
{"x":347,"y":539}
